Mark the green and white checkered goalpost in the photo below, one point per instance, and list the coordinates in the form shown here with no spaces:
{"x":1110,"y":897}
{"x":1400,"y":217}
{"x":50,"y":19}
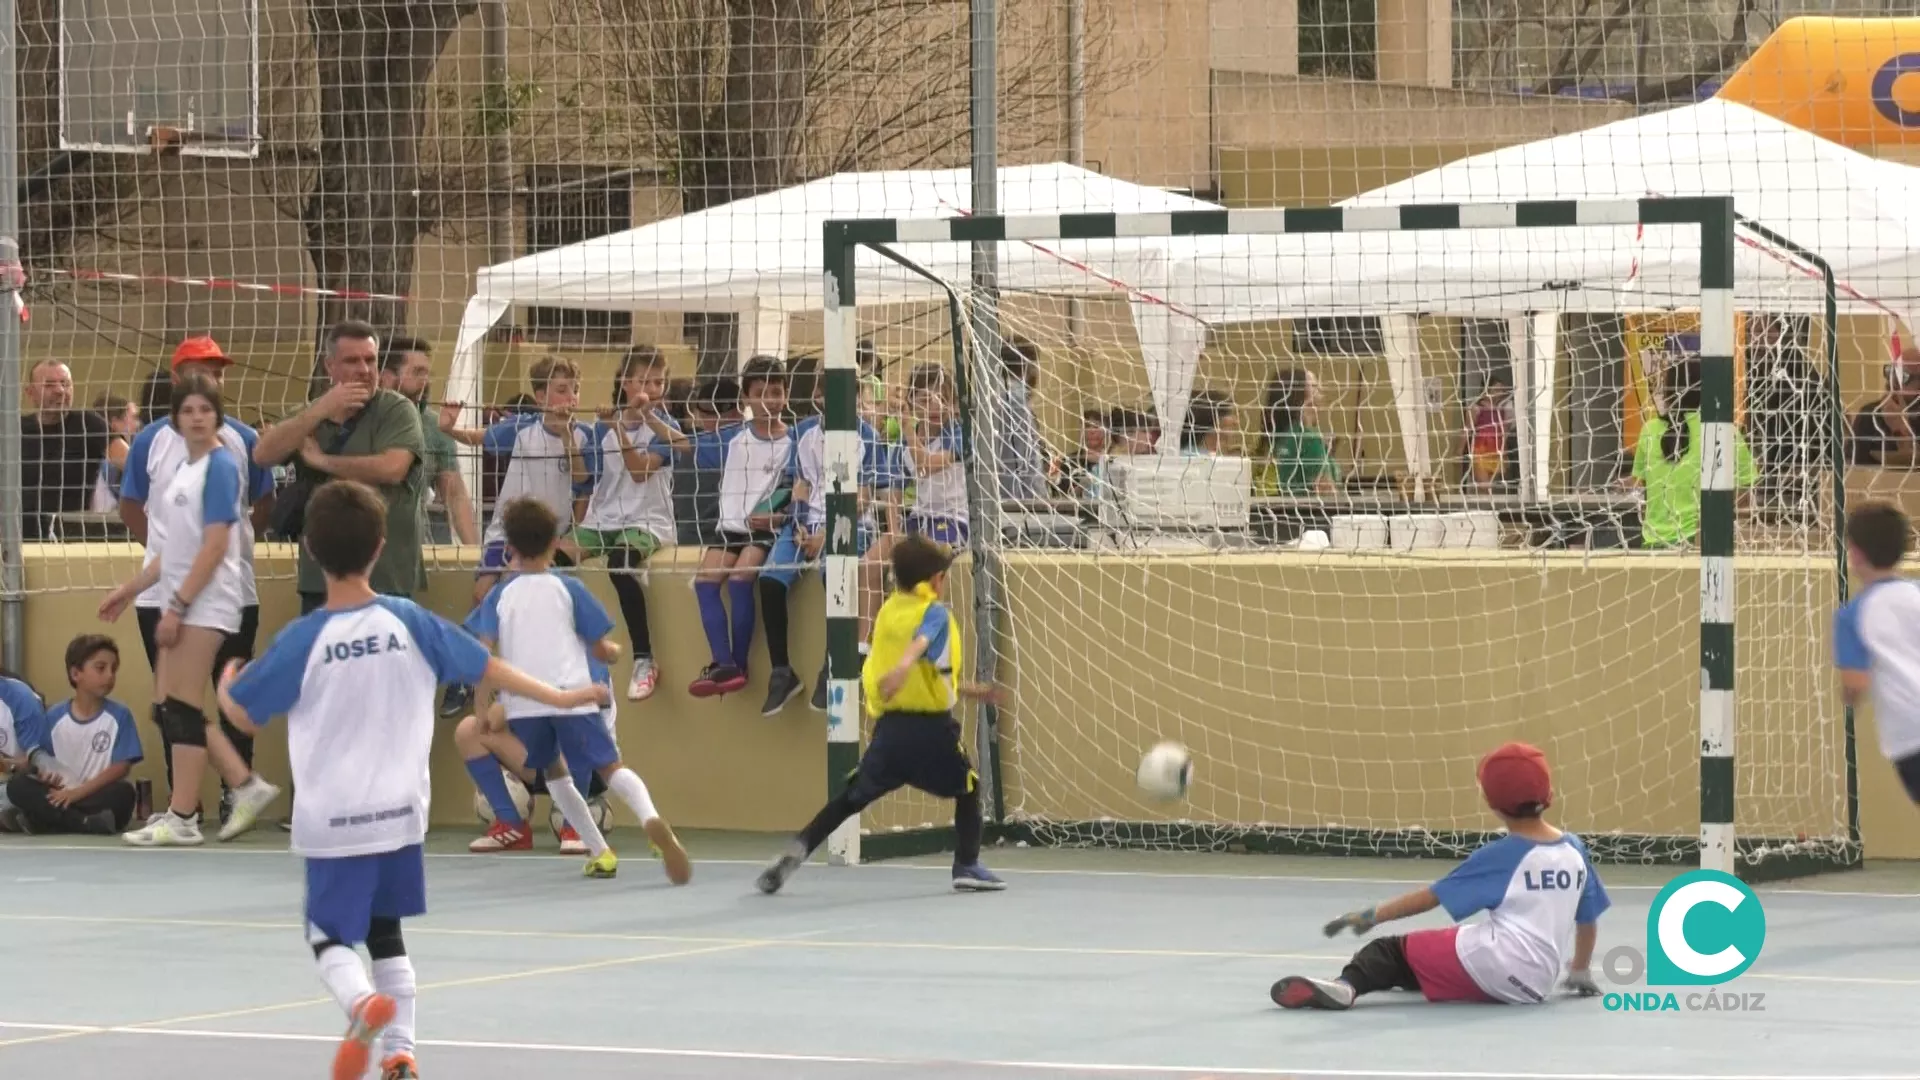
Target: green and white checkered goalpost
{"x":1715,"y":220}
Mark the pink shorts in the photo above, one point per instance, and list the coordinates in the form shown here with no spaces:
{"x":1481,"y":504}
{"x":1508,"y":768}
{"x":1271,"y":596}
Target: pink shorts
{"x":1436,"y":963}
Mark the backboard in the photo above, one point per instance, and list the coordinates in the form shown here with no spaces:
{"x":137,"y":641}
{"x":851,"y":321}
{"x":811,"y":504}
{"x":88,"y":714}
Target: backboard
{"x":129,"y":67}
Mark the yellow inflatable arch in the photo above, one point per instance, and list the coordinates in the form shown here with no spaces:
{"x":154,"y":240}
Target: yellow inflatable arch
{"x":1855,"y":82}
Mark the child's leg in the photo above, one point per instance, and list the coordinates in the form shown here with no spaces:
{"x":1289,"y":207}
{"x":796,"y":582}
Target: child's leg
{"x":707,"y":583}
{"x":583,"y":740}
{"x":1381,"y":964}
{"x":573,"y":807}
{"x":878,"y":775}
{"x":28,"y":794}
{"x":934,"y":761}
{"x":393,"y":976}
{"x":782,"y":567}
{"x":111,"y":807}
{"x":627,"y":786}
{"x":476,"y":750}
{"x":740,"y":594}
{"x":341,"y":896}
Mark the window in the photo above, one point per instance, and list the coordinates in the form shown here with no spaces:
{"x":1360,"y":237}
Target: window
{"x":566,"y":207}
{"x":1337,"y":39}
{"x":1349,"y":335}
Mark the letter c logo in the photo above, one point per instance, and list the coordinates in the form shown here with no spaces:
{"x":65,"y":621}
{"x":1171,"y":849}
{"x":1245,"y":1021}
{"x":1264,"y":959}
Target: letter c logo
{"x":1673,"y":934}
{"x":1882,"y":89}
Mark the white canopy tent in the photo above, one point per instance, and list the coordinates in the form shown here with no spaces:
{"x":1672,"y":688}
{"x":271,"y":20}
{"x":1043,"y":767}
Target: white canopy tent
{"x":761,"y":257}
{"x":1860,"y":214}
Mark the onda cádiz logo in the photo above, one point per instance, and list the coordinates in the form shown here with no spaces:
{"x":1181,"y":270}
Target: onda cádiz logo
{"x":1882,"y":89}
{"x":1704,"y":929}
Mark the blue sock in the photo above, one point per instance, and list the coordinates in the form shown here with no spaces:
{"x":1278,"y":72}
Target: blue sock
{"x":493,"y":784}
{"x":740,"y":595}
{"x":713,"y":616}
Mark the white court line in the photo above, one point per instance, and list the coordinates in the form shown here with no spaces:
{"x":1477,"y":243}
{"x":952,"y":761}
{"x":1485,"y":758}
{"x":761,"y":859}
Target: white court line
{"x":1031,"y":1066}
{"x":897,"y":865}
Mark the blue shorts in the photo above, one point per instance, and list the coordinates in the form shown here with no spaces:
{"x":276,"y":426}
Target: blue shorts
{"x":493,"y":558}
{"x":581,"y":739}
{"x":938,"y":528}
{"x":785,"y":563}
{"x":345,"y":895}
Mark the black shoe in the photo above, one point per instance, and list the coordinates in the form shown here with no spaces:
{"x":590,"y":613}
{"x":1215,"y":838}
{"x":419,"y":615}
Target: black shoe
{"x":819,"y":701}
{"x":458,"y":700}
{"x":99,"y":823}
{"x":776,"y":875}
{"x":782,"y":687}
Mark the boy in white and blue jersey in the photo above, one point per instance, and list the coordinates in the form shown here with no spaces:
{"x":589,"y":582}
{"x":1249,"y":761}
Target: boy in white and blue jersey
{"x":1536,"y":884}
{"x":1876,"y":635}
{"x":756,"y":483}
{"x":78,"y":783}
{"x":526,"y":618}
{"x":356,"y":680}
{"x":935,"y":459}
{"x":23,"y":727}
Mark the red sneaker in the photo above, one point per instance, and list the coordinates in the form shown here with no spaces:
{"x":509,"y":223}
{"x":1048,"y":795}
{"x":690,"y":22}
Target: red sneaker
{"x":729,"y":680}
{"x":570,"y":842}
{"x":399,"y":1067}
{"x":371,"y":1015}
{"x":704,"y":686}
{"x":502,"y":836}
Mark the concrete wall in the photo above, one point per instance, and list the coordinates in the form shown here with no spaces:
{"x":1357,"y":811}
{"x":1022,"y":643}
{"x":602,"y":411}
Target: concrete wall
{"x":1317,"y":690}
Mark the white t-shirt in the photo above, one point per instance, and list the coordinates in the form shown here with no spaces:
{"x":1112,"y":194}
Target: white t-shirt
{"x":943,"y":494}
{"x":757,"y":471}
{"x":159,"y":450}
{"x":1878,"y":631}
{"x":23,"y":721}
{"x":619,"y":502}
{"x":527,"y":617}
{"x":202,"y":493}
{"x":86,"y":747}
{"x":538,"y":467}
{"x":359,"y":690}
{"x":810,"y":464}
{"x":1533,"y":893}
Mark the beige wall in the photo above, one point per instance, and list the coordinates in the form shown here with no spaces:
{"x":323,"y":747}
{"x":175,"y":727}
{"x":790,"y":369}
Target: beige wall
{"x":1316,"y":691}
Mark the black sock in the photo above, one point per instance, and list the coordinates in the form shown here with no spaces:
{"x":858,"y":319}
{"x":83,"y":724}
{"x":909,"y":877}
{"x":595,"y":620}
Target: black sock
{"x":773,"y":611}
{"x":622,"y":565}
{"x":967,"y":827}
{"x":838,"y":809}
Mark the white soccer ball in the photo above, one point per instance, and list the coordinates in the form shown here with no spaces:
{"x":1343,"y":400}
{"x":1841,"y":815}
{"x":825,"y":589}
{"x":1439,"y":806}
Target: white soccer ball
{"x":522,"y":801}
{"x":1165,"y":771}
{"x":602,"y":816}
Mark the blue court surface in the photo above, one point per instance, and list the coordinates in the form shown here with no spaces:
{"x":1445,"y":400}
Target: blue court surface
{"x":187,"y":964}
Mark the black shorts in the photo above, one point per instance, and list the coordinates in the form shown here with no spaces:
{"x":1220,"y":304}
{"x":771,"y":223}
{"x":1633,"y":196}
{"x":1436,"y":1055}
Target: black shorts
{"x":734,"y":542}
{"x":1909,"y":769}
{"x":917,"y":750}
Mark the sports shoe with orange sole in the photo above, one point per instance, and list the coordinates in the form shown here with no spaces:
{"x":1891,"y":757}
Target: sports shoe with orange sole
{"x":667,"y":846}
{"x":399,"y":1067}
{"x":371,"y":1015}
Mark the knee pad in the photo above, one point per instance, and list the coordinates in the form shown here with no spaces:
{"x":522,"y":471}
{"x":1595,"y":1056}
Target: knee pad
{"x":183,"y":724}
{"x":384,"y":941}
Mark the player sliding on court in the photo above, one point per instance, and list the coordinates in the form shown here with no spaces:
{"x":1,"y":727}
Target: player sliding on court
{"x":909,"y":686}
{"x":356,"y":680}
{"x":1876,"y":636}
{"x":1536,"y":884}
{"x":526,"y":617}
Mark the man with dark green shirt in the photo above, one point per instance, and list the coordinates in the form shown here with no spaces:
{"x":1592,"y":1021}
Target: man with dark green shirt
{"x":406,"y":367}
{"x":357,"y":431}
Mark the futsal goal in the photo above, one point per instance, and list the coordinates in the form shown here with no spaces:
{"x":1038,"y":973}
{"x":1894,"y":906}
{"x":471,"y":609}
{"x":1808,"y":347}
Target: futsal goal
{"x":1361,"y":493}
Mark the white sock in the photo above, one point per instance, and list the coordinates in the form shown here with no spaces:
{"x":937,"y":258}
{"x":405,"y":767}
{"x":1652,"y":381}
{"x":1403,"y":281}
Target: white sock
{"x":394,"y":978}
{"x":633,"y":791}
{"x":574,"y":809}
{"x":344,"y":975}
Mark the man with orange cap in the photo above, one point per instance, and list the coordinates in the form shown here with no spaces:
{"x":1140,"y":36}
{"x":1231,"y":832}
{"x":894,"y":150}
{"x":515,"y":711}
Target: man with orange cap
{"x":1536,"y":884}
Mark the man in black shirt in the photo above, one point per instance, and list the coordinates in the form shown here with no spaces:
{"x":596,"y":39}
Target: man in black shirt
{"x":1882,"y":433}
{"x":60,"y":449}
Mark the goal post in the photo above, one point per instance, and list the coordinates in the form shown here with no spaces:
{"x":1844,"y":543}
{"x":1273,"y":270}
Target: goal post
{"x":1716,"y":845}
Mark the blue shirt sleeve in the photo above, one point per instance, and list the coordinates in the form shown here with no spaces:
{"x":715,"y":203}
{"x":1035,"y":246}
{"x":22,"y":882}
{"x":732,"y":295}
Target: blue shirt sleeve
{"x":29,"y":715}
{"x":499,"y":438}
{"x":126,"y":736}
{"x":259,"y":480}
{"x":590,"y":619}
{"x":270,"y":686}
{"x":935,"y":626}
{"x":1593,"y":898}
{"x":1481,"y":882}
{"x":484,"y":621}
{"x":1849,"y":648}
{"x":453,"y":654}
{"x":220,"y":496}
{"x":133,"y":482}
{"x":588,"y":440}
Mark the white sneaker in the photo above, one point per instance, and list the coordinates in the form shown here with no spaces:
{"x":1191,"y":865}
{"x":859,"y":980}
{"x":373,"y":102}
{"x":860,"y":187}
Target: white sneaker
{"x":248,"y":800}
{"x":645,"y":678}
{"x":166,"y":829}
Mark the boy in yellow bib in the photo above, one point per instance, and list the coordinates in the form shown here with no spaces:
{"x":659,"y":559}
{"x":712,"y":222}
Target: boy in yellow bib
{"x":909,"y":685}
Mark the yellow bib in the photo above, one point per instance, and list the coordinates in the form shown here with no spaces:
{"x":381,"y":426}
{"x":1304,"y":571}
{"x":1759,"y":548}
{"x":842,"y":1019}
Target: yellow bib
{"x":930,"y":686}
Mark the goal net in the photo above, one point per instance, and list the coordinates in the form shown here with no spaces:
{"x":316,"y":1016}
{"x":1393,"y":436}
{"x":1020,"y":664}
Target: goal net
{"x":1341,"y":543}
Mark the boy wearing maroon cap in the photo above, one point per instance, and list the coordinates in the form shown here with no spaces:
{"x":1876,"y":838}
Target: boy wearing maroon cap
{"x":1536,"y":884}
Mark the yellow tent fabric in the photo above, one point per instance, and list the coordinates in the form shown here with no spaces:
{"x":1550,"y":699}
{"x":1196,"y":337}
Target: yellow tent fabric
{"x":1855,"y":82}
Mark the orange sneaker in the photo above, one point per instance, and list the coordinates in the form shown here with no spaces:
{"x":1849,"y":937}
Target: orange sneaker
{"x":399,"y":1067}
{"x":502,"y":836}
{"x":371,"y":1015}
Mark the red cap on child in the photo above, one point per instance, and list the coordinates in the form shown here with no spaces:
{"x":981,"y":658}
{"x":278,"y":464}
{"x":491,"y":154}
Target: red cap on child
{"x":1515,"y":780}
